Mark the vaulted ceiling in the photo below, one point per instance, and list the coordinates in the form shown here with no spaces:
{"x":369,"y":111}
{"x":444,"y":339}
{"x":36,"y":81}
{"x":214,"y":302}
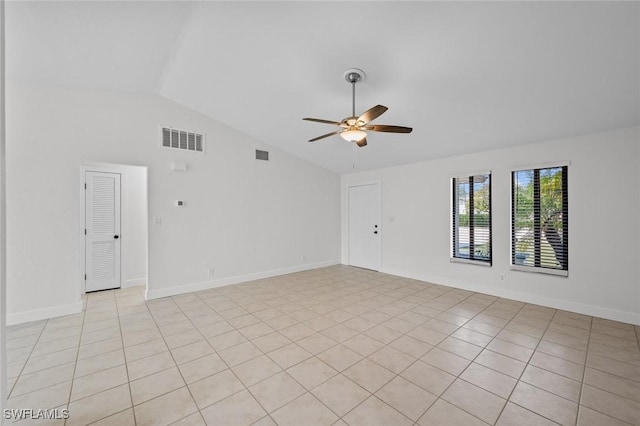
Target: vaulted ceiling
{"x":467,"y":76}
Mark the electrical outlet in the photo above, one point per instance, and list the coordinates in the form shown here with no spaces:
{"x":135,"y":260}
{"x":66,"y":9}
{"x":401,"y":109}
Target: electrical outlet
{"x":211,"y":272}
{"x":502,"y":277}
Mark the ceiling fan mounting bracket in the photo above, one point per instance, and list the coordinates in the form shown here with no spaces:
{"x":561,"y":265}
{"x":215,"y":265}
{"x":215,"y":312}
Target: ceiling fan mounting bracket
{"x":354,"y":75}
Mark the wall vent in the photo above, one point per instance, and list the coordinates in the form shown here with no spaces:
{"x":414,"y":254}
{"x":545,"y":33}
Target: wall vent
{"x":181,"y":139}
{"x":262,"y":155}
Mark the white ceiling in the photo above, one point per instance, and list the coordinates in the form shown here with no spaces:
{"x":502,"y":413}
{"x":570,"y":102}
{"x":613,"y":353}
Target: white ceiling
{"x":466,"y":76}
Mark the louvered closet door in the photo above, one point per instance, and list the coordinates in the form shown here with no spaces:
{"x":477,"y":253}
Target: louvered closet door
{"x":102,"y":219}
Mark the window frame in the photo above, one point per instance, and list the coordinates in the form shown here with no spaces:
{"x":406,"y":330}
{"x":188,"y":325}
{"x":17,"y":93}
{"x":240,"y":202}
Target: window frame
{"x":454,"y":220}
{"x":538,"y":234}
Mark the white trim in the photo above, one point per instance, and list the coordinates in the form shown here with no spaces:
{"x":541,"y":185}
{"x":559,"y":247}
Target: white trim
{"x":110,"y":168}
{"x":134,"y":282}
{"x":45,"y":313}
{"x":581,"y":308}
{"x":539,"y":270}
{"x":470,"y":261}
{"x":541,"y":166}
{"x":205,"y":285}
{"x":466,"y":175}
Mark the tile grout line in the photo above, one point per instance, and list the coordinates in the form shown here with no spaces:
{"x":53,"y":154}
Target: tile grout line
{"x":584,"y":372}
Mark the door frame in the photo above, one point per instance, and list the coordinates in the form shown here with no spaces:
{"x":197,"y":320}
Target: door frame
{"x":347,"y":188}
{"x":108,"y":168}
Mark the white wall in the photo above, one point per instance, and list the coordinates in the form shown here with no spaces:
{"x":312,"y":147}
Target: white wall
{"x":135,"y":235}
{"x":242,"y":217}
{"x":604,"y":230}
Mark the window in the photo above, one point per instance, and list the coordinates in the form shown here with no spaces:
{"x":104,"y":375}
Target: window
{"x":471,"y":236}
{"x":539,"y":220}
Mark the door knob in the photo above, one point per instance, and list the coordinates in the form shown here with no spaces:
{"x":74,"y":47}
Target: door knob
{"x":115,"y":237}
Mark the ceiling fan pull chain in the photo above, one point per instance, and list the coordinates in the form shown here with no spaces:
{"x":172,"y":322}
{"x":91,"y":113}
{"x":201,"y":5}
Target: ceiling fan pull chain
{"x":353,"y":157}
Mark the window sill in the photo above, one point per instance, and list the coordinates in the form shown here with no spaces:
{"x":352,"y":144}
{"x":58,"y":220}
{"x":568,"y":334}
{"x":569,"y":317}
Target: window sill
{"x":470,"y":261}
{"x":535,"y":270}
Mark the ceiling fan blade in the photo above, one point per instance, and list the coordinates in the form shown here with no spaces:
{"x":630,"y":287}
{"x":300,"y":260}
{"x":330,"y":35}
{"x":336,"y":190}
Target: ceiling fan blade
{"x":386,"y":128}
{"x":325,"y":136}
{"x":319,"y":120}
{"x":372,"y":113}
{"x":362,"y":142}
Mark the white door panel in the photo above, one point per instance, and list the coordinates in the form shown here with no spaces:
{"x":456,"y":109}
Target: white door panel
{"x":102,"y":222}
{"x":364,"y":226}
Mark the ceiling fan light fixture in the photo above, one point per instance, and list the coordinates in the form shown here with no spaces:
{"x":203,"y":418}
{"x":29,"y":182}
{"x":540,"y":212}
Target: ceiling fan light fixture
{"x":353,"y":135}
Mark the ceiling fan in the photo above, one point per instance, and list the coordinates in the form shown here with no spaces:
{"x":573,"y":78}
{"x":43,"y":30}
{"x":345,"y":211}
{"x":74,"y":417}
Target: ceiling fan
{"x":354,"y":129}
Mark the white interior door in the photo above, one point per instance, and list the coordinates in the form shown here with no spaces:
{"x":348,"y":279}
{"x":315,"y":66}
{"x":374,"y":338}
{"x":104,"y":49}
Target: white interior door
{"x":364,"y":226}
{"x":102,"y":222}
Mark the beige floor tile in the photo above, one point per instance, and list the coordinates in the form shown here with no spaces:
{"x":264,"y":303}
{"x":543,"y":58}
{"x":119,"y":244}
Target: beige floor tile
{"x":97,"y":336}
{"x":444,"y":414}
{"x":369,"y":375}
{"x":144,"y":350}
{"x":50,"y":397}
{"x":194,"y":419}
{"x":509,"y":349}
{"x":169,"y":407}
{"x":192,"y":351}
{"x":503,"y":364}
{"x":289,"y":355}
{"x":427,"y":335}
{"x":243,"y":321}
{"x":611,"y":366}
{"x":460,"y":347}
{"x":131,"y":339}
{"x":226,"y":340}
{"x":271,"y":342}
{"x":50,"y":360}
{"x":146,"y":366}
{"x":472,"y":337}
{"x":215,"y":329}
{"x":98,"y":348}
{"x":392,"y":359}
{"x":521,"y":339}
{"x":409,"y":345}
{"x":123,"y":418}
{"x":360,"y":324}
{"x":612,"y":405}
{"x":256,"y":330}
{"x":375,"y":412}
{"x":551,"y":382}
{"x":43,"y":379}
{"x":239,"y":353}
{"x":256,"y":370}
{"x":557,"y":365}
{"x":630,"y":357}
{"x":202,"y":367}
{"x":446,"y":361}
{"x":407,"y":398}
{"x":99,"y":406}
{"x":155,"y":385}
{"x":276,"y":391}
{"x":280,"y":322}
{"x":476,"y":401}
{"x":428,"y":377}
{"x":99,"y":362}
{"x":340,"y":357}
{"x":311,"y":372}
{"x":589,"y":417}
{"x":339,"y":333}
{"x":306,"y":409}
{"x":482,"y":327}
{"x":514,"y":415}
{"x":363,"y":345}
{"x":561,"y":351}
{"x":238,"y":409}
{"x":613,"y":384}
{"x":98,"y":382}
{"x":297,"y":332}
{"x":340,"y":394}
{"x":546,"y":404}
{"x":316,"y":343}
{"x":215,"y":388}
{"x":490,"y":380}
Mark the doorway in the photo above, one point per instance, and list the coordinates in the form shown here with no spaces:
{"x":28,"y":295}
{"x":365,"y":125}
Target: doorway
{"x":114,"y":227}
{"x":365,"y":232}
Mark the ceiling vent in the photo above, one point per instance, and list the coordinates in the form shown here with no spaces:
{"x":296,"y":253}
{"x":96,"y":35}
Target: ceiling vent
{"x":181,"y":139}
{"x":262,"y":155}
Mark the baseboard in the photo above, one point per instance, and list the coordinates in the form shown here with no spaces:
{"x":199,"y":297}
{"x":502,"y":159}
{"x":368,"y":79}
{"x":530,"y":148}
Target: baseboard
{"x":134,"y":282}
{"x":205,"y":285}
{"x":566,"y":305}
{"x":45,"y":313}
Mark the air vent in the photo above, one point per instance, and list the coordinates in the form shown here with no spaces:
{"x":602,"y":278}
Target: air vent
{"x":262,"y":155}
{"x":181,"y":139}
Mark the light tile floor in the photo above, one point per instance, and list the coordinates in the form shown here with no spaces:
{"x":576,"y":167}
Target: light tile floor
{"x":337,"y":345}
